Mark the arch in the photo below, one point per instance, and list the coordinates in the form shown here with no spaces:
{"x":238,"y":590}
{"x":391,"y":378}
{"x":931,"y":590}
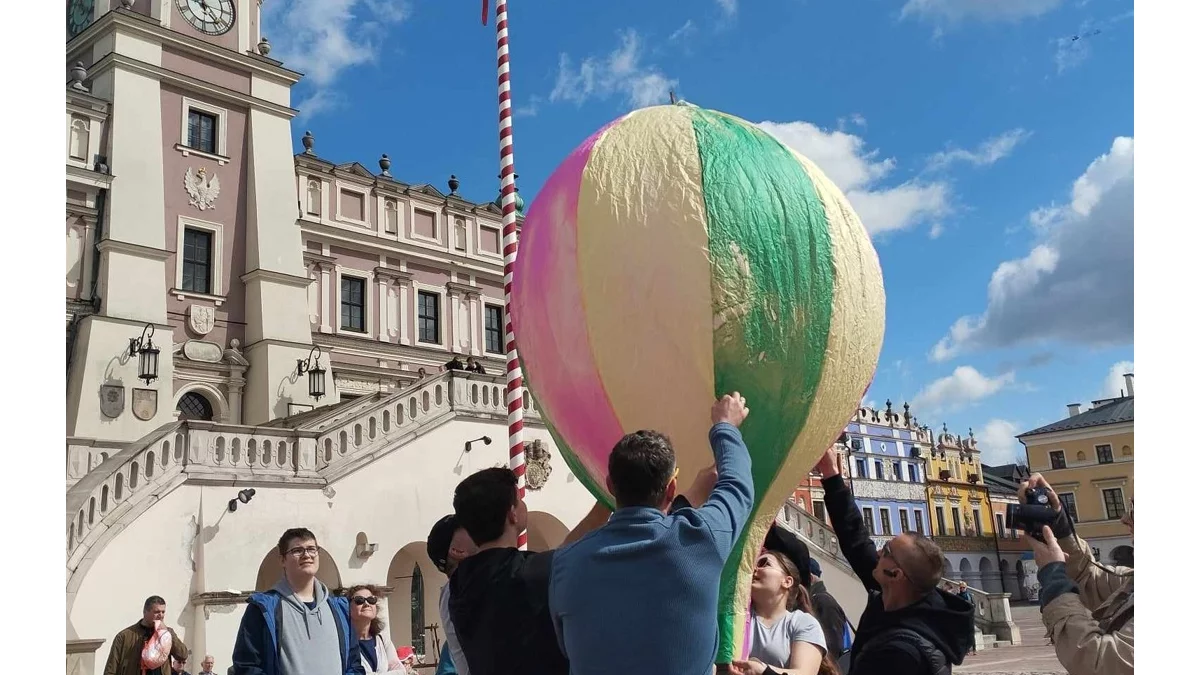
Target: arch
{"x":216,"y":400}
{"x":415,"y":590}
{"x":964,"y":566}
{"x":948,"y":570}
{"x":545,"y":531}
{"x":270,"y":571}
{"x":314,"y":197}
{"x":80,"y":137}
{"x":985,"y":565}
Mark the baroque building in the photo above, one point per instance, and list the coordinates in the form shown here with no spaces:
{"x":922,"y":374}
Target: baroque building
{"x":961,"y":509}
{"x":1088,"y":457}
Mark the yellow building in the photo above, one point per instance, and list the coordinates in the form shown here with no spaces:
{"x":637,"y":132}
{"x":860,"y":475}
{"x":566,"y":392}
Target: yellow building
{"x":1088,"y":458}
{"x":960,"y":510}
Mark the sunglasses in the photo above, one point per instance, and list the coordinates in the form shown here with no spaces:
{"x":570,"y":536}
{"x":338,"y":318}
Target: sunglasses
{"x":364,"y":600}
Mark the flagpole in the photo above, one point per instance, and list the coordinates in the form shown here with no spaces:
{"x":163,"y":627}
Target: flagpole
{"x":514,"y":386}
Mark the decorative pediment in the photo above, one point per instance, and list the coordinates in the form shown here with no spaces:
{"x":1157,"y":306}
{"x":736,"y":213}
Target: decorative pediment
{"x":356,"y":169}
{"x":427,"y":190}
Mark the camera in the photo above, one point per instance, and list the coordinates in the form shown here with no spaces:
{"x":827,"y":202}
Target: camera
{"x":1033,"y":514}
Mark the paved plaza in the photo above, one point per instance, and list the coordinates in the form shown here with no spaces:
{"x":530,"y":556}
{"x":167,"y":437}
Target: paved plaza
{"x":1033,"y":657}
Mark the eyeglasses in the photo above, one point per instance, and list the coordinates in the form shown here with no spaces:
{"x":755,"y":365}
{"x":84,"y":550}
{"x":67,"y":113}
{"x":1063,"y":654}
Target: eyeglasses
{"x":301,"y":551}
{"x":364,"y":600}
{"x":886,"y":552}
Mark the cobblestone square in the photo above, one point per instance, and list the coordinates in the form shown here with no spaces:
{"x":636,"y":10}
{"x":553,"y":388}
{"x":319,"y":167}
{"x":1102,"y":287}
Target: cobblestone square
{"x":1033,"y":657}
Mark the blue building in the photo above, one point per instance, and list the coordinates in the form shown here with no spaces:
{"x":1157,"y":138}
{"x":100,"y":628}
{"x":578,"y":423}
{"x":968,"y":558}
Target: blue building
{"x":884,"y":454}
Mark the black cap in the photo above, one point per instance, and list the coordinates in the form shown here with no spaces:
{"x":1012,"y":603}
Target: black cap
{"x":438,"y":543}
{"x":781,"y":540}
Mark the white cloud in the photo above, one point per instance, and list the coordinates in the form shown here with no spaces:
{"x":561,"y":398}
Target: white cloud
{"x":959,"y":389}
{"x":685,"y":31}
{"x":954,"y":11}
{"x":728,"y":7}
{"x":323,"y":38}
{"x":987,"y":153}
{"x":858,"y":172}
{"x":1114,"y":382}
{"x":1070,"y":51}
{"x":998,"y":443}
{"x":620,"y":73}
{"x":1076,"y":283}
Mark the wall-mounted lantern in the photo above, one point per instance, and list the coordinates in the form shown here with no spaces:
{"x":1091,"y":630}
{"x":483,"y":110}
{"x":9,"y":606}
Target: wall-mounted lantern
{"x":316,"y":374}
{"x":143,"y":348}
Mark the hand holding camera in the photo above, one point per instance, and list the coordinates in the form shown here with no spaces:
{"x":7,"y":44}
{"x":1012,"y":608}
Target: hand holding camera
{"x":1039,"y":508}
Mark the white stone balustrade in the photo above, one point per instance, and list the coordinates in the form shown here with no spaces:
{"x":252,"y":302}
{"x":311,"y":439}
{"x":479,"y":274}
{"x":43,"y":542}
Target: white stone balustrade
{"x":993,"y":615}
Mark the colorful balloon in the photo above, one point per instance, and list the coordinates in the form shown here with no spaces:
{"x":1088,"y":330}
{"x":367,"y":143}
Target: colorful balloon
{"x":679,"y":254}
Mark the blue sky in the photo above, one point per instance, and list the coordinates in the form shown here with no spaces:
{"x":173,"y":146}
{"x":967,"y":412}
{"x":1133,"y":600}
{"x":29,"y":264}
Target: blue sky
{"x":987,"y":144}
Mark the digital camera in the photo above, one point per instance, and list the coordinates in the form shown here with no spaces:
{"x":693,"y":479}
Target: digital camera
{"x":1033,"y":514}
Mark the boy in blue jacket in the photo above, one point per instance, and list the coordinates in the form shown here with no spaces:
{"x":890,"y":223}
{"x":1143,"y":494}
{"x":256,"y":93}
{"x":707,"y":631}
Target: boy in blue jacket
{"x":297,"y":627}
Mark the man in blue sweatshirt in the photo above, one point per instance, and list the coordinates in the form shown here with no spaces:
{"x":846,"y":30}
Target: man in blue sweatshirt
{"x":297,"y":628}
{"x":639,"y":595}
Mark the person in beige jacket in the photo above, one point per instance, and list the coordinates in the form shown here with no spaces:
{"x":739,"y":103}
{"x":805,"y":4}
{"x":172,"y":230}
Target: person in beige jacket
{"x":1087,"y":607}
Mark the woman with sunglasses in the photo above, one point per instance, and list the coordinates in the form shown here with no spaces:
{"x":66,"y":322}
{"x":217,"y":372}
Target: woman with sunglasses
{"x":784,"y":636}
{"x":378,"y":653}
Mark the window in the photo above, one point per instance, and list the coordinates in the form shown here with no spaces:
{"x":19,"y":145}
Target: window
{"x":353,"y":316}
{"x":1068,"y":503}
{"x":1000,"y":524}
{"x":1114,"y":503}
{"x":869,"y":519}
{"x":489,"y":240}
{"x":425,"y":224}
{"x":1058,"y":459}
{"x":194,"y":406}
{"x":912,"y":473}
{"x":885,"y":519}
{"x":819,"y":510}
{"x":978,"y":522}
{"x":956,"y":515}
{"x":493,"y":328}
{"x":904,"y":520}
{"x":941,"y":520}
{"x":417,"y":598}
{"x":861,"y":465}
{"x":352,"y":205}
{"x":197,"y":261}
{"x":428,"y":317}
{"x":1104,"y":454}
{"x":897,"y":474}
{"x":878,"y":470}
{"x":202,"y":131}
{"x":919,"y":516}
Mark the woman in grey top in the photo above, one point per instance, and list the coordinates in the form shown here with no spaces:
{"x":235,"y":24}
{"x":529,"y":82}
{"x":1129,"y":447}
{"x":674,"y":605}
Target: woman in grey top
{"x":784,"y":636}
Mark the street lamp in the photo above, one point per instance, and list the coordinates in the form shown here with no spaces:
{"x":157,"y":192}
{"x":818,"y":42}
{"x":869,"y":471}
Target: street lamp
{"x":316,"y":374}
{"x":487,"y":440}
{"x":143,"y":348}
{"x":243,"y":496}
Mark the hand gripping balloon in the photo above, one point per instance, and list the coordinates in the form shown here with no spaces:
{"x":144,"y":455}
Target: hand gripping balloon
{"x":680,"y":254}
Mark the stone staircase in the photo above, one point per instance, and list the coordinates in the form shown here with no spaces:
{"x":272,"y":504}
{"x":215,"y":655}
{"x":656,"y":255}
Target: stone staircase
{"x":110,"y":486}
{"x":994,"y":624}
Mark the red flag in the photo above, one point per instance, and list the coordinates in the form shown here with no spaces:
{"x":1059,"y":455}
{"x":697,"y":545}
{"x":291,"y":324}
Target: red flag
{"x":485,"y":9}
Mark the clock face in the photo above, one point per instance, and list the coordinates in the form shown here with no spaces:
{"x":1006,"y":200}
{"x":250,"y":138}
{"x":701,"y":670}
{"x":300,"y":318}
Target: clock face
{"x":211,"y":17}
{"x":79,"y":16}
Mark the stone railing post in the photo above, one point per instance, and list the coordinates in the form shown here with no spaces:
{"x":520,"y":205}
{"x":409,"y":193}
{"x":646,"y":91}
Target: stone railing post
{"x":81,"y":656}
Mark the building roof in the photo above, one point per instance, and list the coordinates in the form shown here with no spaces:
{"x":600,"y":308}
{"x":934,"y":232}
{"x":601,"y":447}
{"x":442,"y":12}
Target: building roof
{"x":1009,"y":472}
{"x":999,"y":485}
{"x":1114,"y":412}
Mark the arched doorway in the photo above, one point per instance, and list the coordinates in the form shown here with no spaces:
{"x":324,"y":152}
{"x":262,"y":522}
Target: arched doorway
{"x":270,"y":571}
{"x":966,"y":573}
{"x":545,"y":531}
{"x":988,"y":578}
{"x":414,"y":618}
{"x":948,"y":571}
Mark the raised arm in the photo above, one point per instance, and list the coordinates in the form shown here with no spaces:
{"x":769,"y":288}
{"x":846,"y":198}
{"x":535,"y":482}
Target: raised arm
{"x":853,"y":537}
{"x":728,"y":507}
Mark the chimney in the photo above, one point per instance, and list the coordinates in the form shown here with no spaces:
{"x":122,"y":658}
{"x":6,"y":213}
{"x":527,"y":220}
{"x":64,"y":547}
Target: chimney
{"x":1129,"y":384}
{"x":1073,"y":408}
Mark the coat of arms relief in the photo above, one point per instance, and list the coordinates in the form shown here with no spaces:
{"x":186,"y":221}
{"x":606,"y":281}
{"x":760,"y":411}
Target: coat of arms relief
{"x":202,"y":190}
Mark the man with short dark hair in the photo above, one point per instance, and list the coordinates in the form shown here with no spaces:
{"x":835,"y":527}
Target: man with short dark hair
{"x":125,"y":655}
{"x":910,"y":626}
{"x":639,"y":595}
{"x":499,"y":597}
{"x":297,"y":627}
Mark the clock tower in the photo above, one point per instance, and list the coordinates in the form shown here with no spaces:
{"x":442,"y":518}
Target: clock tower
{"x":192,"y":184}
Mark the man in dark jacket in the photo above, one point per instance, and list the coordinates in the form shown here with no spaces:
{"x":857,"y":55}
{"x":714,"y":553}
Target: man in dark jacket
{"x":910,"y":626}
{"x":125,"y":653}
{"x":828,"y":611}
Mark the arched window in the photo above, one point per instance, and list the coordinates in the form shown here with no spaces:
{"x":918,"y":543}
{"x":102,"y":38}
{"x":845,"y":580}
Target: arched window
{"x":314,"y":197}
{"x":194,"y":406}
{"x":418,"y":610}
{"x":80,"y":137}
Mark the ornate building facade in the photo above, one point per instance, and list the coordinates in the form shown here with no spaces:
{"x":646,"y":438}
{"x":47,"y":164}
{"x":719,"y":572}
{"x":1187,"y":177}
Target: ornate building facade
{"x":961,"y":510}
{"x":884,"y":459}
{"x":1088,"y":457}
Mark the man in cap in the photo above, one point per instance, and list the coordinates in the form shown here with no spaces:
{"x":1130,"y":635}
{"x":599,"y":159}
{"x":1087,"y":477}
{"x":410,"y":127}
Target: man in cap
{"x":449,"y":544}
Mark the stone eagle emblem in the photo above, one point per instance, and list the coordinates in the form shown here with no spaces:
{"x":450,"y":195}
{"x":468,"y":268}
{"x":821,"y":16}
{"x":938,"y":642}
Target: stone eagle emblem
{"x":537,"y":465}
{"x":202,"y":191}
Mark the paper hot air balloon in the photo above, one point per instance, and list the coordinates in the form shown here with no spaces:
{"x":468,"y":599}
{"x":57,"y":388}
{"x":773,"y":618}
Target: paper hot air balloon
{"x":679,"y":254}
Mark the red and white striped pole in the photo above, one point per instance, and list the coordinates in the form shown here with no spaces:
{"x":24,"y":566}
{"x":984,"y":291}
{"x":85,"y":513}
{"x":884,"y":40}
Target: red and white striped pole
{"x":514,"y":389}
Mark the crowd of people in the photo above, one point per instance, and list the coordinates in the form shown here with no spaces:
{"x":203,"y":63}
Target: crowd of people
{"x":634,"y":590}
